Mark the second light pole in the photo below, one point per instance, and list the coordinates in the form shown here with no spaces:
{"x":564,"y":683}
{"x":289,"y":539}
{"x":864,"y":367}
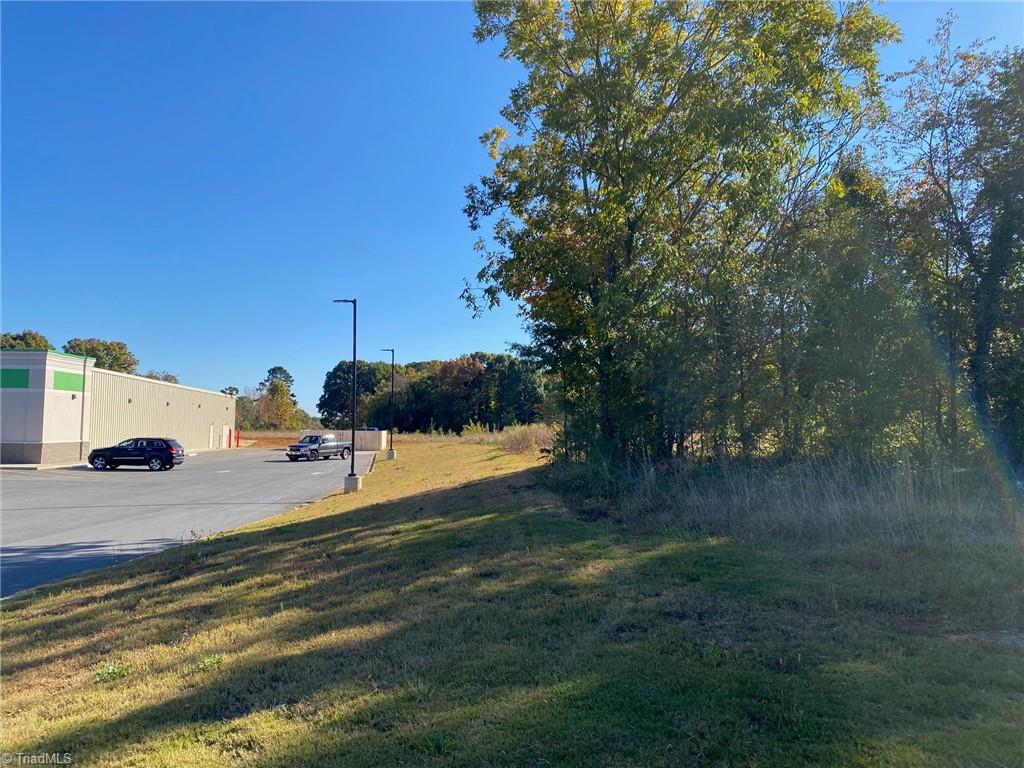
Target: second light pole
{"x":391,"y":406}
{"x":353,"y":482}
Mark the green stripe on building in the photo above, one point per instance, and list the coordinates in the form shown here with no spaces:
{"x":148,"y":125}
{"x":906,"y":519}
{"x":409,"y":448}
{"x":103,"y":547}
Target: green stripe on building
{"x":14,"y":378}
{"x":72,"y":382}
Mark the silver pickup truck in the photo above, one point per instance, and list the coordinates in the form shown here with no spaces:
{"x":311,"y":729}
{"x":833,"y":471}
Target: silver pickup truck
{"x":313,"y":447}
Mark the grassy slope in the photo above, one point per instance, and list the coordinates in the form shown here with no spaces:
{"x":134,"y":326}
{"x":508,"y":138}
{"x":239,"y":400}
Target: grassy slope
{"x":454,"y":614}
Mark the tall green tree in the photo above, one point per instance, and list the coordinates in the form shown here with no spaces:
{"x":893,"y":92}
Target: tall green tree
{"x":111,"y":355}
{"x":662,"y":151}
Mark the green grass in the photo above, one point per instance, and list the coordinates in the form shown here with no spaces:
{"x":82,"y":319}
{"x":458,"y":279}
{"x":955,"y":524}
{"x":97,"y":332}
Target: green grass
{"x":456,"y":614}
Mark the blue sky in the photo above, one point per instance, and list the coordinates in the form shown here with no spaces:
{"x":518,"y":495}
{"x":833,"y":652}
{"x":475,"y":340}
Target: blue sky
{"x":200,"y":180}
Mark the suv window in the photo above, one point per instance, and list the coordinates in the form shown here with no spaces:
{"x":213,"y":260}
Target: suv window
{"x":157,"y":444}
{"x":142,"y":444}
{"x":126,"y":444}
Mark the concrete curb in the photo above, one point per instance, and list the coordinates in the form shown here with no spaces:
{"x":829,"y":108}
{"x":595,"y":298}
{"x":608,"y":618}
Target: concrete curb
{"x":32,"y":467}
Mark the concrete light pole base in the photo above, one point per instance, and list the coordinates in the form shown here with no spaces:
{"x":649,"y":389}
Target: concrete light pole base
{"x":353,"y":483}
{"x":392,"y":454}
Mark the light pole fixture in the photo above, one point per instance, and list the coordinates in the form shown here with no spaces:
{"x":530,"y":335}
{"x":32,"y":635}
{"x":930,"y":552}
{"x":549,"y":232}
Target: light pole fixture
{"x":353,"y":482}
{"x":391,"y":406}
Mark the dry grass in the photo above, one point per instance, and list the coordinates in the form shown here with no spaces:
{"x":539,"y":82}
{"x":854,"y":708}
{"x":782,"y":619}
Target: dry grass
{"x":520,"y":438}
{"x":824,"y":500}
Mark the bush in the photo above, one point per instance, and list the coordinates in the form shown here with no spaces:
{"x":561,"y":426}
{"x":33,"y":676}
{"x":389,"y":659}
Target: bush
{"x":525,"y":438}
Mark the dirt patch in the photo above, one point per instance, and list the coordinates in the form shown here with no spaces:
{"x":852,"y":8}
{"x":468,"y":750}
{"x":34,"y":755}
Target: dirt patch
{"x":265,"y":442}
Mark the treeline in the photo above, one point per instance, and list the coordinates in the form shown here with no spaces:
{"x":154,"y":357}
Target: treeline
{"x":110,"y":355}
{"x":271,"y":404}
{"x":490,"y":390}
{"x":727,"y":246}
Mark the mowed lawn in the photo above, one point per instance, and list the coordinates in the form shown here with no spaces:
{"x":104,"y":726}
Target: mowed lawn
{"x":456,"y":614}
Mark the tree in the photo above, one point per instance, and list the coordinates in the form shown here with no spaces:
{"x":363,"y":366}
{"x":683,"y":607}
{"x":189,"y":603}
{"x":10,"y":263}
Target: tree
{"x":278,"y":373}
{"x":233,"y":391}
{"x":111,"y":355}
{"x":460,"y":396}
{"x":275,"y":407}
{"x":167,"y":376}
{"x":247,"y":416}
{"x":302,"y":420}
{"x":335,"y":404}
{"x":859,"y":362}
{"x":958,"y":141}
{"x":487,"y":389}
{"x":662,"y":154}
{"x":27,"y":339}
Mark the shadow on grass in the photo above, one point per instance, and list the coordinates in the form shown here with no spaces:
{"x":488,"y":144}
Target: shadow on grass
{"x":479,"y":625}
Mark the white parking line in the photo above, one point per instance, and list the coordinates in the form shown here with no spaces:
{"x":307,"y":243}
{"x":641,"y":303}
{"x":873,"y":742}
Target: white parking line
{"x":223,"y":471}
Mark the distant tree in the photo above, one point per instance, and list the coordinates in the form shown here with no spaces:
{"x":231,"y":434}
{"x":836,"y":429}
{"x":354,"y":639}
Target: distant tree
{"x":493,"y":390}
{"x":278,"y":373}
{"x":111,"y":355}
{"x":233,"y":391}
{"x":335,"y":403}
{"x":275,"y":407}
{"x":513,"y":390}
{"x":302,"y":420}
{"x":461,"y":397}
{"x":167,"y":376}
{"x":27,"y":339}
{"x":246,"y":415}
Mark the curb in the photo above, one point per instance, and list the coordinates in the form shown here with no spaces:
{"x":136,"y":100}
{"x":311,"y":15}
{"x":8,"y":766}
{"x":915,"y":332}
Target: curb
{"x":34,"y":467}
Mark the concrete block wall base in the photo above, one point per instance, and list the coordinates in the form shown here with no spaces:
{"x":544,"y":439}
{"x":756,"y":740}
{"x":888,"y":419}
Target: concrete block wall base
{"x":353,"y":483}
{"x":392,"y":454}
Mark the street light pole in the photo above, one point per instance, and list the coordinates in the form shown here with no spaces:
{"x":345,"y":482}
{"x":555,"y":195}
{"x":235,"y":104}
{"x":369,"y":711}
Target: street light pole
{"x":391,"y":405}
{"x":352,"y":482}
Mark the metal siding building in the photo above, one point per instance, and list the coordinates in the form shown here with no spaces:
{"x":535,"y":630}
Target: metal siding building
{"x":54,"y":407}
{"x":126,"y":406}
{"x":43,"y":413}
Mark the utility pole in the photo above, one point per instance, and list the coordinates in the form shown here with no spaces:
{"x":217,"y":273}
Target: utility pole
{"x":391,"y":405}
{"x":353,"y":482}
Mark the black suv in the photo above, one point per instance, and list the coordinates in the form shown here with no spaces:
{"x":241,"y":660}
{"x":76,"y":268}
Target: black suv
{"x":153,"y":452}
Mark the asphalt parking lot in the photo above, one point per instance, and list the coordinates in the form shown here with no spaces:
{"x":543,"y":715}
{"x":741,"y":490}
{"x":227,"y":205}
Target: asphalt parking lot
{"x":58,"y":522}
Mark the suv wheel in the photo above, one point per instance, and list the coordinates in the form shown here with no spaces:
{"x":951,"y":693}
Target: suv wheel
{"x":346,"y":452}
{"x":155,"y":463}
{"x":99,"y":462}
{"x":313,"y":456}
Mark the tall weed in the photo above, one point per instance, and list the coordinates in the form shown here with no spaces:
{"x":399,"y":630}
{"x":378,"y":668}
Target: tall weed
{"x":816,"y":500}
